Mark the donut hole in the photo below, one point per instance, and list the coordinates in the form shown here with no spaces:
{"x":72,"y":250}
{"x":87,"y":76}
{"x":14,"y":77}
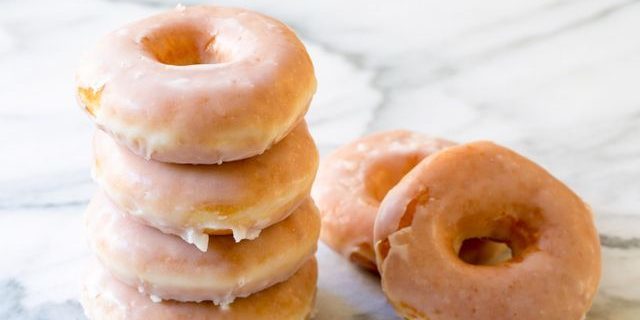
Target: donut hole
{"x":488,"y":239}
{"x":385,"y":172}
{"x":184,"y":45}
{"x":484,"y":252}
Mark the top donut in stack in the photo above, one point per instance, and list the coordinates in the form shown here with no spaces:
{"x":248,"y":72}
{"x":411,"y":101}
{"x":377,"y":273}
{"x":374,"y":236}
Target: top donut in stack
{"x":201,"y":85}
{"x":201,"y":137}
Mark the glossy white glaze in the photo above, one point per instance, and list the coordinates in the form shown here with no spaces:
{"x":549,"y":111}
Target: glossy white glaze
{"x":105,"y":298}
{"x":555,"y":80}
{"x":159,"y":85}
{"x":166,"y":267}
{"x":191,"y":201}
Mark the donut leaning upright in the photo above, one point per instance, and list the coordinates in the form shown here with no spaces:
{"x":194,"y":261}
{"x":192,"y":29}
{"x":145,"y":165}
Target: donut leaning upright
{"x":484,"y":192}
{"x":205,"y":165}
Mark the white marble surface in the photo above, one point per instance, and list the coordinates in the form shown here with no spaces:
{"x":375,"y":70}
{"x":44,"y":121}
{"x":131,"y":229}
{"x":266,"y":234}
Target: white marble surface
{"x":554,"y":80}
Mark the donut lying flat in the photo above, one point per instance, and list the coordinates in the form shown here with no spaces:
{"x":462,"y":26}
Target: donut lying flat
{"x":198,"y":85}
{"x":105,"y":298}
{"x":484,"y":191}
{"x":239,"y":197}
{"x":165,"y":267}
{"x":354,"y":179}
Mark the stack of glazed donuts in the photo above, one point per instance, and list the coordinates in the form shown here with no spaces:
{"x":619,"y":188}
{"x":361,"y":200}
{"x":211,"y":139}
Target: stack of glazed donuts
{"x":470,"y":231}
{"x":205,"y":166}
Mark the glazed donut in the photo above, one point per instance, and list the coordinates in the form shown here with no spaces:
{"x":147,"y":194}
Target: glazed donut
{"x":353,"y":180}
{"x":105,"y":298}
{"x":483,"y":191}
{"x":165,"y":267}
{"x":198,"y":85}
{"x":190,"y":201}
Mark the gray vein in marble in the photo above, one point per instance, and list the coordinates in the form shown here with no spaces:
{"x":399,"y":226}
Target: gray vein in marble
{"x":354,"y":60}
{"x":542,"y":10}
{"x":444,"y":70}
{"x":66,"y":190}
{"x":44,"y":205}
{"x":616,"y":242}
{"x":613,"y":308}
{"x":525,"y":41}
{"x":448,"y":69}
{"x":12,"y":308}
{"x":358,"y":62}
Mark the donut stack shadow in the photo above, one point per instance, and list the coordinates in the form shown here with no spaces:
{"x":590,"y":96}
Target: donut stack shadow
{"x":215,"y":234}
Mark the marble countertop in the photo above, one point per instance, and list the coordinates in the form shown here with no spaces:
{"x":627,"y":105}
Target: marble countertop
{"x":554,"y":80}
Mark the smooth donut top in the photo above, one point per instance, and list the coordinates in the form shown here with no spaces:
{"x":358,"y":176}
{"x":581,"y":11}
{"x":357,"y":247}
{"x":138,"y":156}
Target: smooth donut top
{"x":103,"y":297}
{"x":198,"y":85}
{"x":165,"y":266}
{"x":481,"y":190}
{"x":243,"y":196}
{"x":352,"y":181}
